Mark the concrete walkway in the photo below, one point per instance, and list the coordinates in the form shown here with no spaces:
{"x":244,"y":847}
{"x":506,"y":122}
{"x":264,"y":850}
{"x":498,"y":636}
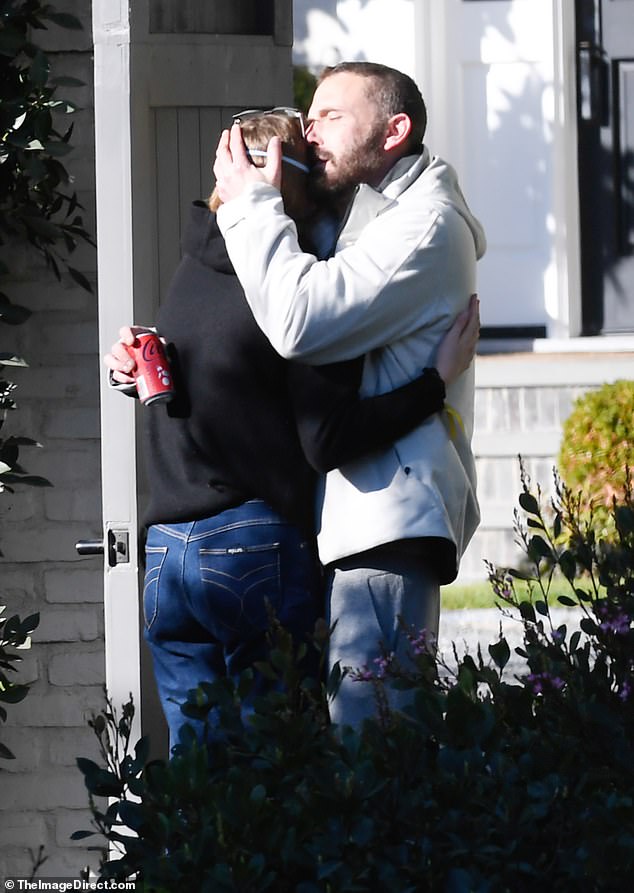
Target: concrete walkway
{"x":466,"y":628}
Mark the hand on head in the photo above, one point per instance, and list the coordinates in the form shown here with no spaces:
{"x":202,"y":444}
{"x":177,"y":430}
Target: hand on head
{"x":233,"y":169}
{"x":458,"y":347}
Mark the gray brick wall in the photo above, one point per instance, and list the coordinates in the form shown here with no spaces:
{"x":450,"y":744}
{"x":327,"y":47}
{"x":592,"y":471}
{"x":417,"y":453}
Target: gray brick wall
{"x":43,"y":798}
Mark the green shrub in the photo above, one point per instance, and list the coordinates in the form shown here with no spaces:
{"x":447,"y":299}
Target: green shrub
{"x":37,"y":206}
{"x":36,"y":209}
{"x":598,"y":445}
{"x":484,"y":784}
{"x":14,"y":634}
{"x":304,"y":83}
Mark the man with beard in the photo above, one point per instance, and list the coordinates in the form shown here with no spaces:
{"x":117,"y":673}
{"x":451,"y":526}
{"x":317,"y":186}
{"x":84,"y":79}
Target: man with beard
{"x":394,"y":524}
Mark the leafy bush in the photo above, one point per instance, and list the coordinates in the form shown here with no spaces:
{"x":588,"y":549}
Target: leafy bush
{"x":36,"y":209}
{"x":36,"y":205}
{"x":11,"y":471}
{"x":14,"y":634}
{"x":485,"y":783}
{"x":598,"y":443}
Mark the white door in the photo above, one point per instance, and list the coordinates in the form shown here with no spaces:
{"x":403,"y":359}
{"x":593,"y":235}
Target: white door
{"x":168,"y":76}
{"x":499,"y":79}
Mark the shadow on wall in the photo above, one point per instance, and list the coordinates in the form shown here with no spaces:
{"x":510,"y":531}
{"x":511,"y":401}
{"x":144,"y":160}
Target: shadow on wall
{"x":310,"y":17}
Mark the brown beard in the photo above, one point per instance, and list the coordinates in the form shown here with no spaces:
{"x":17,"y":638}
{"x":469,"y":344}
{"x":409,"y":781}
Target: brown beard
{"x":362,"y":163}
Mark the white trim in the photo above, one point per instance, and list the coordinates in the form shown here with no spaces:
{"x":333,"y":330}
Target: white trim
{"x":553,"y":369}
{"x":590,"y":344}
{"x":430,"y":17}
{"x":114,"y":261}
{"x":422,"y":73}
{"x":566,"y":179}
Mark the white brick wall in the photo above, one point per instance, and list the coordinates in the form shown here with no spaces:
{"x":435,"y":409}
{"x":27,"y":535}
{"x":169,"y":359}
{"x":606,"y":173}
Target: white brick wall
{"x":43,"y":798}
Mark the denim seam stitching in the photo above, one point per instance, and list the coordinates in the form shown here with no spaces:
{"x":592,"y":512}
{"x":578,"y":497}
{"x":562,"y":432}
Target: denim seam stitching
{"x":188,"y":537}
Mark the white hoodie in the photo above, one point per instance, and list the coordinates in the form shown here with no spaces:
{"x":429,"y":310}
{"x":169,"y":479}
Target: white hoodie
{"x":403,"y":268}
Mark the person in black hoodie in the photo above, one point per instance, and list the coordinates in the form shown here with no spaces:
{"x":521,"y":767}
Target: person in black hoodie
{"x":232,"y":459}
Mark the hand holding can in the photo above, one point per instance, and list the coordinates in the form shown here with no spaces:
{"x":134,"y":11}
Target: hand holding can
{"x":152,"y":373}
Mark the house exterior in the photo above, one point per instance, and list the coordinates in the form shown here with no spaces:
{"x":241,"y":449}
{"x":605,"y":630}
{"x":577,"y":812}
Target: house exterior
{"x":531,"y":100}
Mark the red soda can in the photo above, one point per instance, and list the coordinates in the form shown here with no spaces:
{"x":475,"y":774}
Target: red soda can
{"x":153,"y":376}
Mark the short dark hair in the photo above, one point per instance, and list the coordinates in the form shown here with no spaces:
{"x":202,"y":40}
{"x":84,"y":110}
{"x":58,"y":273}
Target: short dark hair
{"x":392,"y":91}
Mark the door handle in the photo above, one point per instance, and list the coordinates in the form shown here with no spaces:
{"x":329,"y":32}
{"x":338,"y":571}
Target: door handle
{"x":117,"y":543}
{"x":89,"y":547}
{"x":593,"y":84}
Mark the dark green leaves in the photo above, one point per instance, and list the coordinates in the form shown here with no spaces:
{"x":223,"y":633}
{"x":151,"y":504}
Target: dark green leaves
{"x":506,"y":772}
{"x":63,"y":19}
{"x":500,"y":652}
{"x":14,"y":633}
{"x":529,"y":503}
{"x":12,"y":314}
{"x":35,"y":203}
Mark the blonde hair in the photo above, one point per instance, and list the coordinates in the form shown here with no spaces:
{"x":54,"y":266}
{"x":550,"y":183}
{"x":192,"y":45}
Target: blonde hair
{"x":257,"y":132}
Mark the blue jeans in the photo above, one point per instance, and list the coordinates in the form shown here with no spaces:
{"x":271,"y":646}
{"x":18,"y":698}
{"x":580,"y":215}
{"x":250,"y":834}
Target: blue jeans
{"x":370,"y":596}
{"x":207,"y":584}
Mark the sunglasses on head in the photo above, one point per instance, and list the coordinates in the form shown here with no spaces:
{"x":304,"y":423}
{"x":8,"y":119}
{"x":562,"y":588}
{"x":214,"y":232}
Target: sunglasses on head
{"x":278,"y":110}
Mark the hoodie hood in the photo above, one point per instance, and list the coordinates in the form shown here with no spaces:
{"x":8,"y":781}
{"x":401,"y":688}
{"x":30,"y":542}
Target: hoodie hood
{"x":203,"y":240}
{"x":440,"y":180}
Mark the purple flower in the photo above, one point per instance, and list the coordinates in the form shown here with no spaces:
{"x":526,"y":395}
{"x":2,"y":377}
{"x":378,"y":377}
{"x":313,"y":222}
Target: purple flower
{"x":383,"y":665}
{"x":619,"y":624}
{"x":503,"y":587}
{"x":363,"y":675}
{"x":423,"y":643}
{"x":535,"y":683}
{"x":541,"y":682}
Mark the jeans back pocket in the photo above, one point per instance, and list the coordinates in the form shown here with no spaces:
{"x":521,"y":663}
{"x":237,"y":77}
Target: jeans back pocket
{"x":239,"y":581}
{"x":154,"y":559}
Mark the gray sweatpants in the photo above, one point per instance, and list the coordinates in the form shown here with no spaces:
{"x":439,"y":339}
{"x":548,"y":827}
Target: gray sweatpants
{"x":367,"y":594}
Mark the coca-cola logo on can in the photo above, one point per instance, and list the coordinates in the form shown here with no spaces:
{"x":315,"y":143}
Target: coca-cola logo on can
{"x":150,"y":349}
{"x":153,"y":375}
